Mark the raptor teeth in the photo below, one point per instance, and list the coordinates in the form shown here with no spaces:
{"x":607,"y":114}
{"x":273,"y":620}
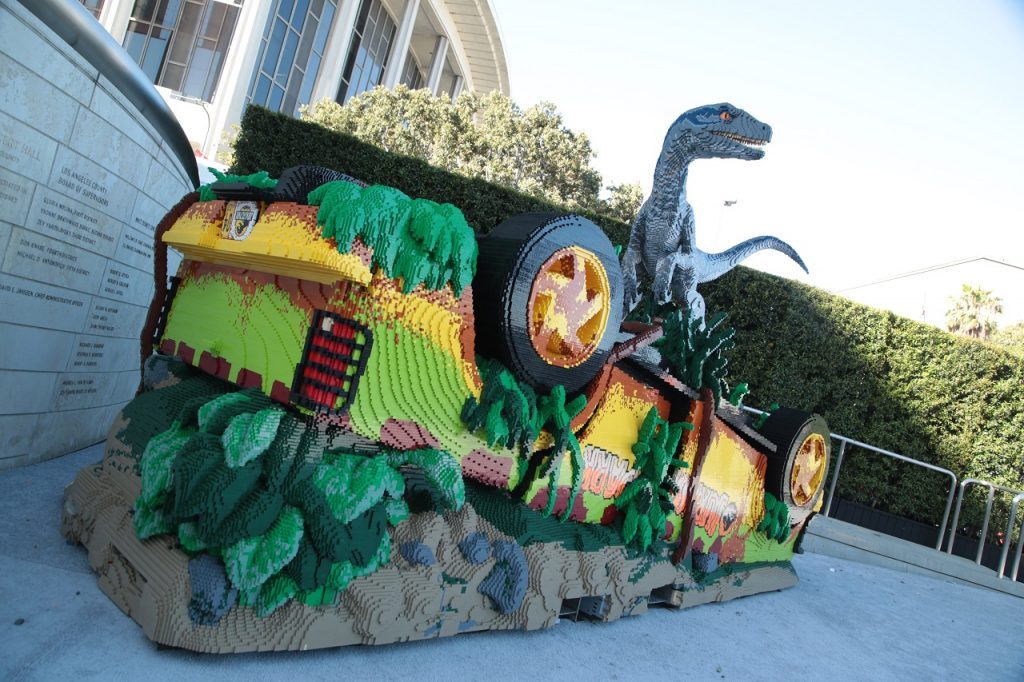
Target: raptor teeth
{"x":741,"y":138}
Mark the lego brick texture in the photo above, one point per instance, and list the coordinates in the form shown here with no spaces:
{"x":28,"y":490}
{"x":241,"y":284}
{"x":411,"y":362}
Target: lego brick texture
{"x":487,"y":564}
{"x":866,"y":371}
{"x":76,"y":631}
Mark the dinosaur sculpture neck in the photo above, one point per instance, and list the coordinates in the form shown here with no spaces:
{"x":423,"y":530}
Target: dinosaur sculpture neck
{"x":669,"y":181}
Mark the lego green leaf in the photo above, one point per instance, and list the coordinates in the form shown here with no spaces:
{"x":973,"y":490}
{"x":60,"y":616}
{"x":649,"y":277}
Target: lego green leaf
{"x":214,"y":416}
{"x":416,"y":241}
{"x":397,"y":511}
{"x":189,"y":538}
{"x":252,"y":561}
{"x":441,"y":470}
{"x":149,"y":521}
{"x":343,"y":215}
{"x":776,"y":522}
{"x":354,"y":483}
{"x":629,"y":526}
{"x":341,"y":575}
{"x":507,"y":410}
{"x":646,"y":498}
{"x":274,"y":593}
{"x":343,"y":572}
{"x":249,"y":435}
{"x":157,"y":462}
{"x":556,"y":416}
{"x":696,"y":355}
{"x":260,"y":180}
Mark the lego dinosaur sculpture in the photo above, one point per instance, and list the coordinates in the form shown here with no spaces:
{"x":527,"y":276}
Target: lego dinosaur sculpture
{"x":662,"y":240}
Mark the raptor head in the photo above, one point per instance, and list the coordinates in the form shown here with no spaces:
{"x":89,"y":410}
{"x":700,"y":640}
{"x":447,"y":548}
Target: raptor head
{"x":716,"y":131}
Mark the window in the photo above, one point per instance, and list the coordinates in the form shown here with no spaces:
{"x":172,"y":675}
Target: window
{"x":368,"y":55}
{"x":411,"y":74}
{"x":181,"y":44}
{"x":290,"y":54}
{"x":95,"y":7}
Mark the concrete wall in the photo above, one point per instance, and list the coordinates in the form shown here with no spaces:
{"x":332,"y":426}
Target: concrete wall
{"x":84,"y":179}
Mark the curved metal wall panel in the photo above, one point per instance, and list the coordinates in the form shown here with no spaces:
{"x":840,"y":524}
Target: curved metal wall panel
{"x":76,"y":27}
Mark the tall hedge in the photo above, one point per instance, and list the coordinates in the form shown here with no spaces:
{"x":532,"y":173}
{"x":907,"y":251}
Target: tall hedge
{"x":272,"y":142}
{"x":881,"y":379}
{"x":876,"y":377}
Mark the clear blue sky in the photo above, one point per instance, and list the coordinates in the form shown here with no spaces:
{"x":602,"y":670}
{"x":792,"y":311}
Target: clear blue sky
{"x":898,"y":126}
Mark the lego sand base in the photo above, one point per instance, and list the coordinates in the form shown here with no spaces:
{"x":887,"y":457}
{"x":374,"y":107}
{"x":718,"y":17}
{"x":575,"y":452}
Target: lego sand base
{"x":447,"y":574}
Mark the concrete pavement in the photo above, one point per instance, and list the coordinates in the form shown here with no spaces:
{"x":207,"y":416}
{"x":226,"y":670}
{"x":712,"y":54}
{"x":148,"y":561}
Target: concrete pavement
{"x":847,"y":541}
{"x":845,"y":620}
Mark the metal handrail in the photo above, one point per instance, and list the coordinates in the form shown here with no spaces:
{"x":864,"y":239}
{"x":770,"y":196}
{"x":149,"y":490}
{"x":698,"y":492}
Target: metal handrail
{"x":992,"y":488}
{"x":79,"y":29}
{"x":1008,"y":540}
{"x":903,"y":458}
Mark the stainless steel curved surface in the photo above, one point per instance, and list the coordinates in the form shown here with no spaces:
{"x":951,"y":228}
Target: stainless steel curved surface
{"x":70,"y":20}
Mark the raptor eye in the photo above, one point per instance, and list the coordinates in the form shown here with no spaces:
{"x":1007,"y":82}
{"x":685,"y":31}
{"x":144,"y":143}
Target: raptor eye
{"x":725,"y":116}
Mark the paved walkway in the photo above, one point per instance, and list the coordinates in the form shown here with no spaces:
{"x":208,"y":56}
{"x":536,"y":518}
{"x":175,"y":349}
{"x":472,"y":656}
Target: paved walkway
{"x":844,"y":621}
{"x":847,"y":541}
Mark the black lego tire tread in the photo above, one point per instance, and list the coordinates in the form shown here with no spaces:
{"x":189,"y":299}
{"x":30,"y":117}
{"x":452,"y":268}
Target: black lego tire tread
{"x":294,"y":184}
{"x":787,"y":428}
{"x":510,"y":256}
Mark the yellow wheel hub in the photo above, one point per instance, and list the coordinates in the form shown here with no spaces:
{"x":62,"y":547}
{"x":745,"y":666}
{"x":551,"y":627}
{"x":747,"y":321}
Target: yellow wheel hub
{"x":808,"y":472}
{"x":569,"y":304}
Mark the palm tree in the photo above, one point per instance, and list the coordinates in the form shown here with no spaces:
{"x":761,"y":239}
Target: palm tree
{"x":973,"y":312}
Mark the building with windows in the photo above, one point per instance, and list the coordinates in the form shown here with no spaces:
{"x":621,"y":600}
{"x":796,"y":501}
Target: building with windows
{"x":211,"y":58}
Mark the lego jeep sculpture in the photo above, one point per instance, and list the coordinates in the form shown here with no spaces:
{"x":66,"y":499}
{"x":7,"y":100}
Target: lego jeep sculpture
{"x":363,"y":424}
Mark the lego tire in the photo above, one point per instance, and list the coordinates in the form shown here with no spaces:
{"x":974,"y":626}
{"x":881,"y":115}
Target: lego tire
{"x":519,"y":258}
{"x":797,"y":471}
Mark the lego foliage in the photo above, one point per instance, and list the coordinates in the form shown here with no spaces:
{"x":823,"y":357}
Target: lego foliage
{"x":239,"y":478}
{"x":882,"y":379}
{"x":529,"y":526}
{"x":417,"y":240}
{"x":694,"y":353}
{"x":441,"y":472}
{"x":763,"y":417}
{"x":555,"y":416}
{"x":775,"y":523}
{"x":275,"y":141}
{"x":506,"y":411}
{"x":512,"y":415}
{"x":259,"y":179}
{"x":646,"y":499}
{"x":737,"y":394}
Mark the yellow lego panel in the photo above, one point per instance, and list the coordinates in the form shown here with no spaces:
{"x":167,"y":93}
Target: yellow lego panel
{"x":731,"y":485}
{"x":285,"y":240}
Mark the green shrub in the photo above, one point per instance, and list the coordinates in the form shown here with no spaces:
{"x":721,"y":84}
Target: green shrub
{"x":884,"y":380}
{"x":272,"y":142}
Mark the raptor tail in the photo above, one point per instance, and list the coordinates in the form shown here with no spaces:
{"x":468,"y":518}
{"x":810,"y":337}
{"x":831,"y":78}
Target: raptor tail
{"x":717,"y":264}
